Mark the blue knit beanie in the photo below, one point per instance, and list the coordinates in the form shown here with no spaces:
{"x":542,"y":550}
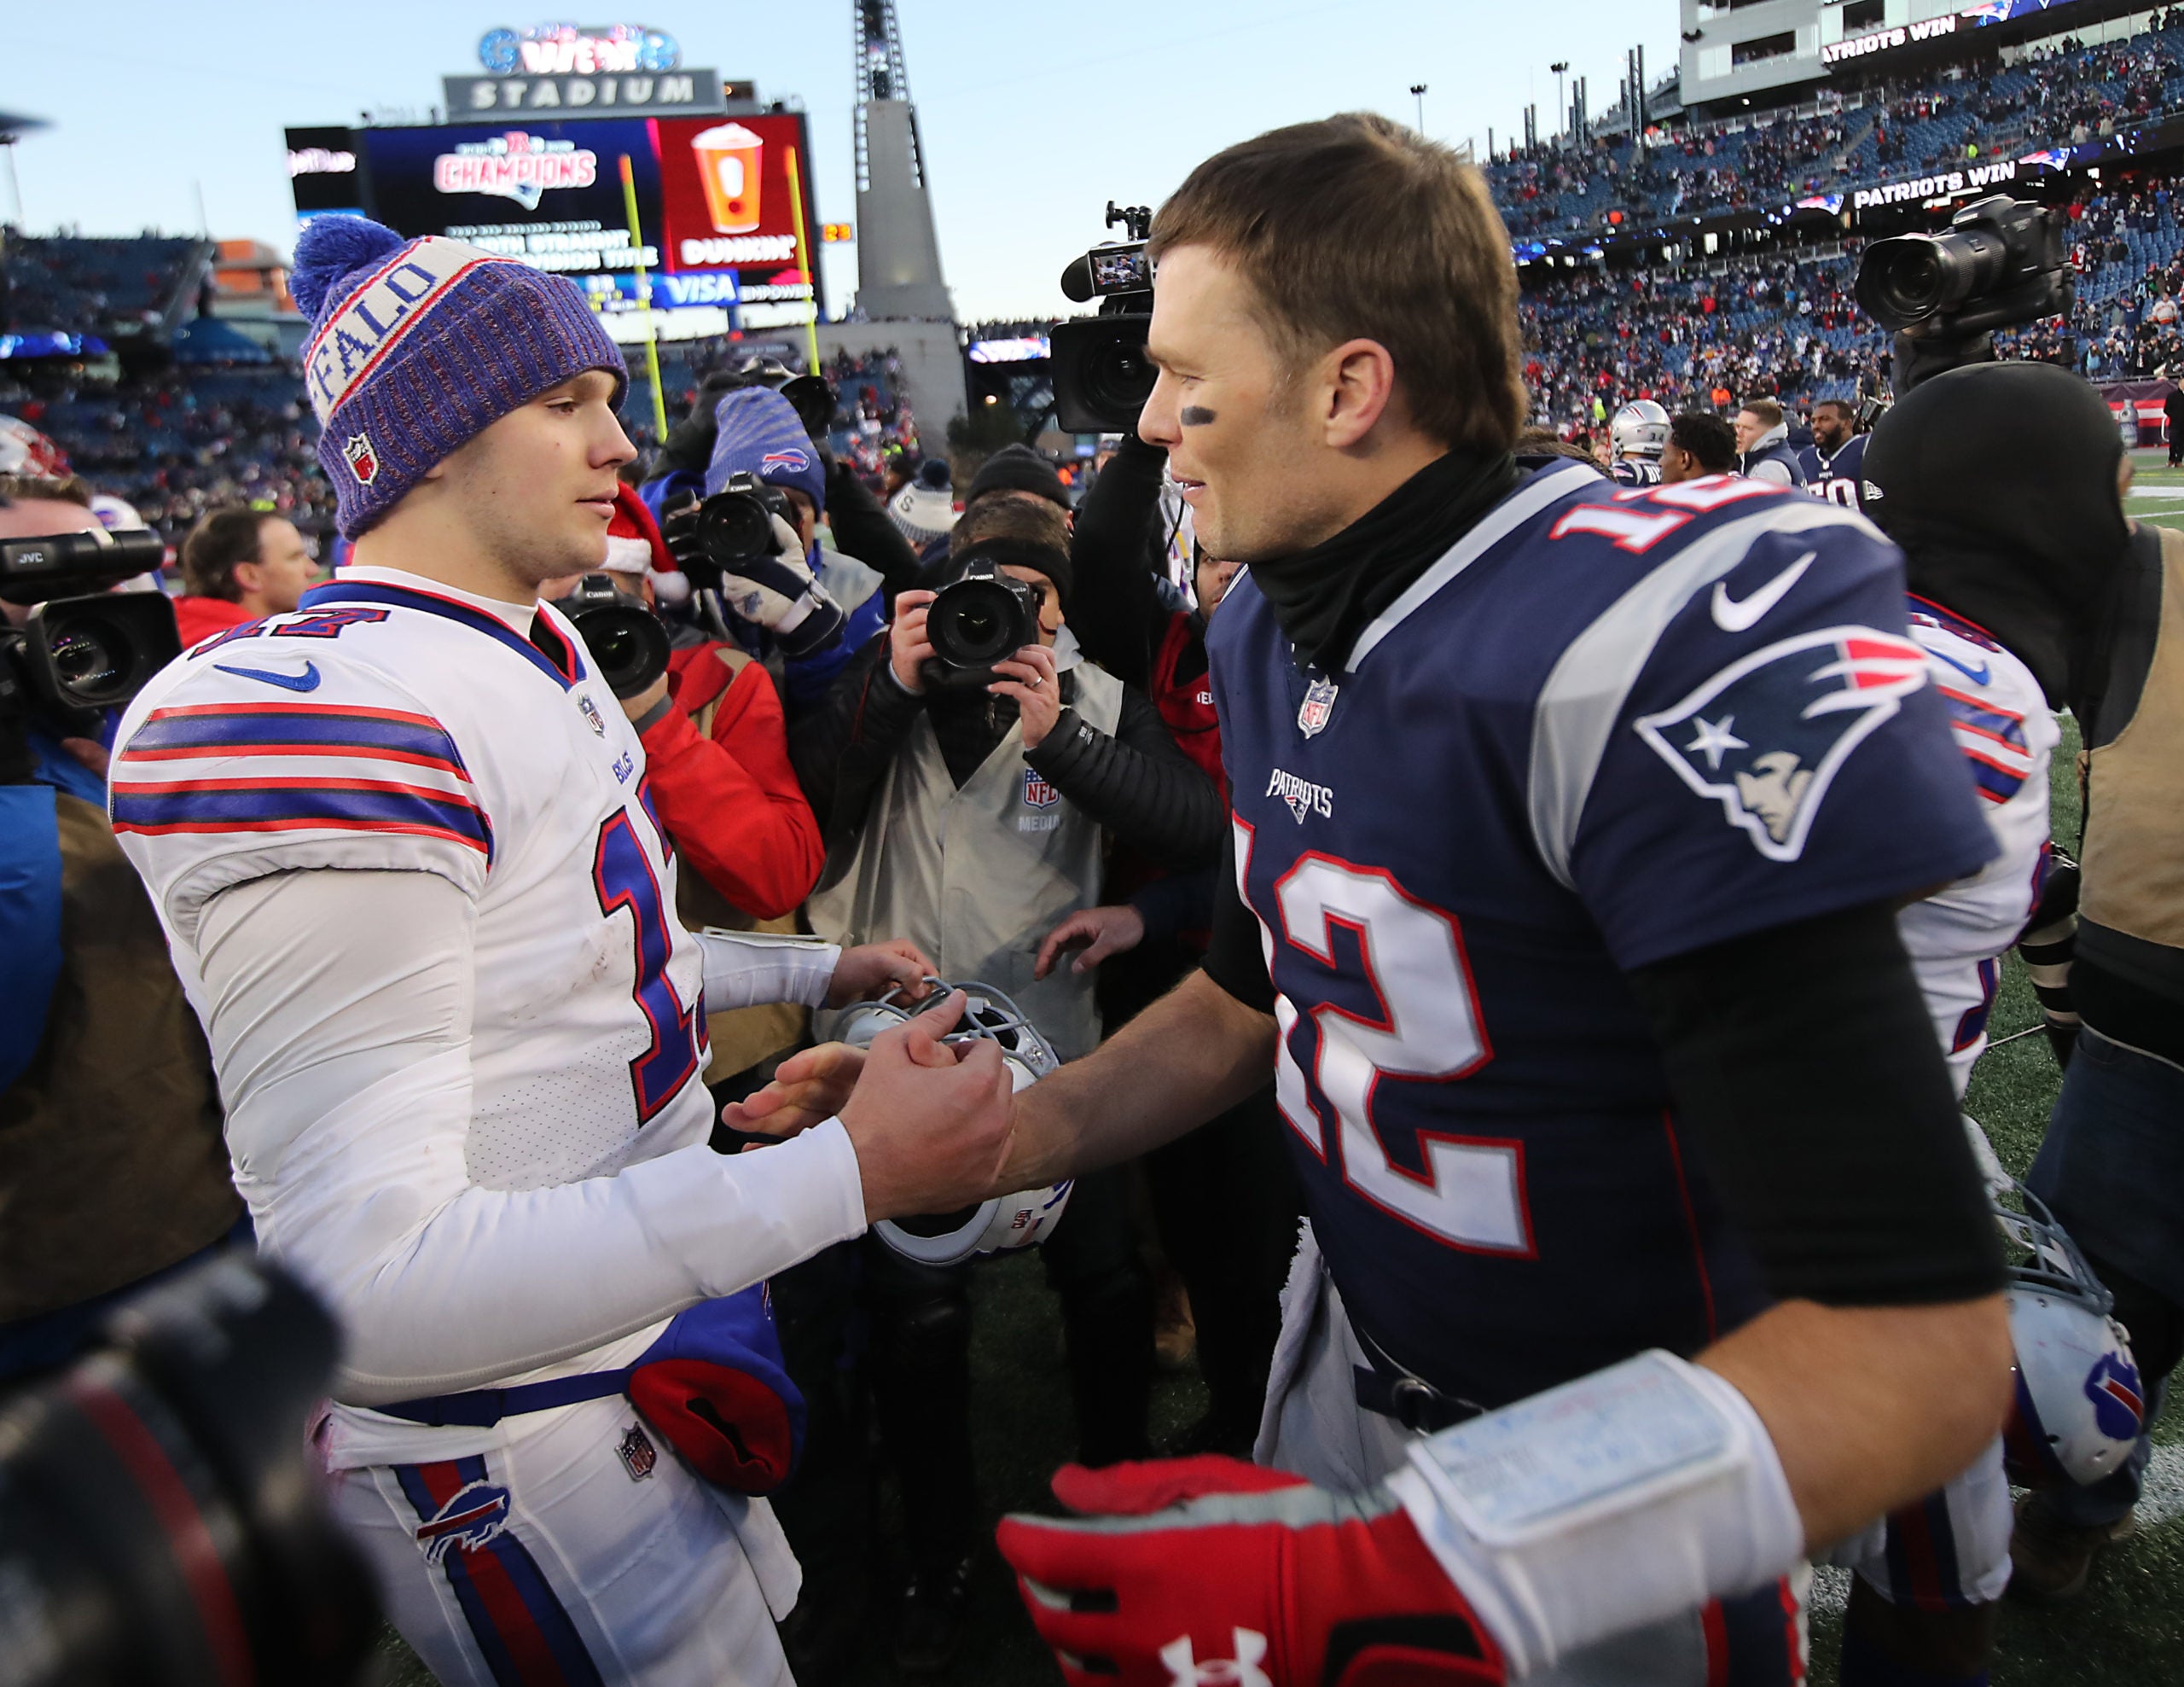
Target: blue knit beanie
{"x":417,"y":346}
{"x":760,"y":434}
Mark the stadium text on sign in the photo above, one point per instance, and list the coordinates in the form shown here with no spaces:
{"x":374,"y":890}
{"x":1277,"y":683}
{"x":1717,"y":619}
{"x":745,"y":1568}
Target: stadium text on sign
{"x":1937,"y":186}
{"x":558,"y":48}
{"x":1883,"y":40}
{"x":516,"y":165}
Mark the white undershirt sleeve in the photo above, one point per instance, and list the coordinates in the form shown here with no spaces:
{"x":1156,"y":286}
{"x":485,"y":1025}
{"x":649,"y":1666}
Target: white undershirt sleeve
{"x":749,"y":968}
{"x":338,"y":1004}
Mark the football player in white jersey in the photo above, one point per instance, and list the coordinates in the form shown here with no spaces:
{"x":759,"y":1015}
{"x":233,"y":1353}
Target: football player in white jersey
{"x":400,"y":842}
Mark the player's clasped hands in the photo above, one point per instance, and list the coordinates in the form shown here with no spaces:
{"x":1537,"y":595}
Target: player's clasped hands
{"x":929,"y":1119}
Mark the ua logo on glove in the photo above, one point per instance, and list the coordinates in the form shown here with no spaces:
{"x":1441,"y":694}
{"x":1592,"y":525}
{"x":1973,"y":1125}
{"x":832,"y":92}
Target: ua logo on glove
{"x":1241,"y":1670}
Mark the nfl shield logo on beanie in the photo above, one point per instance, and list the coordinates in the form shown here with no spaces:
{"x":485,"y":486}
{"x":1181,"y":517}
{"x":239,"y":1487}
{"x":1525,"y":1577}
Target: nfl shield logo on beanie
{"x":363,"y":462}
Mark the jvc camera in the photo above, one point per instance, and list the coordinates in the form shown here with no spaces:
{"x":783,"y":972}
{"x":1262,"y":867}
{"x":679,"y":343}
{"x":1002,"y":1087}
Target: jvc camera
{"x":982,"y":618}
{"x":1999,"y":263}
{"x":709,"y":538}
{"x":626,"y":639}
{"x":85,"y":647}
{"x":159,"y":1524}
{"x":1101,"y":376}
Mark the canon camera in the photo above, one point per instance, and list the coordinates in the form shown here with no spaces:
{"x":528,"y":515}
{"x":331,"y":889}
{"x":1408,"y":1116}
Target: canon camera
{"x":1999,"y":263}
{"x":982,"y":618}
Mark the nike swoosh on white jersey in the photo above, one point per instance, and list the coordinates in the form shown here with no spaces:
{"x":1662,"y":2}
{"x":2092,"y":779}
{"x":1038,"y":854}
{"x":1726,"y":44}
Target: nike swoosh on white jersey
{"x":1735,"y":615}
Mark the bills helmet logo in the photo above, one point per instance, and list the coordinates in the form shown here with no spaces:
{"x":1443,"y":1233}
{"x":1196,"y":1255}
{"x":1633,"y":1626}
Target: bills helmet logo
{"x":471,"y":1519}
{"x":2118,"y":1402}
{"x":1037,"y":793}
{"x":792,"y":459}
{"x":362,"y":460}
{"x":1767,"y":735}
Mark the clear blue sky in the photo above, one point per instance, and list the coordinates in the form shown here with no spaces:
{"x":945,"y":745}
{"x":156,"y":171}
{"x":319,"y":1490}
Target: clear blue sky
{"x":1034,"y":115}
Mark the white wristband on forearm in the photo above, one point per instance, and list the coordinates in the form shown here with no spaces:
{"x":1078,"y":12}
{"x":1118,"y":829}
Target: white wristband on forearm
{"x":1607,"y":1504}
{"x":749,"y":968}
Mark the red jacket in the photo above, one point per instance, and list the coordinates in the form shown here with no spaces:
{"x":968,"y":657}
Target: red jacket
{"x":731,"y":801}
{"x":198,"y":618}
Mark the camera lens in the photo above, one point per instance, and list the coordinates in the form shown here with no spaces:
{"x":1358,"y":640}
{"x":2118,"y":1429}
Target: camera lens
{"x":977,"y":622}
{"x":1117,"y":377}
{"x":734,"y":526}
{"x":87,"y":657}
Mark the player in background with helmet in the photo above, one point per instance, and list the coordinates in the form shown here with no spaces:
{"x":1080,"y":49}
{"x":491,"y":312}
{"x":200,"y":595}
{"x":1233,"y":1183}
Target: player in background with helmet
{"x":1763,"y":451}
{"x":1980,"y":551}
{"x":402,"y":846}
{"x":1562,"y":815}
{"x":1636,"y":438}
{"x":1833,"y":463}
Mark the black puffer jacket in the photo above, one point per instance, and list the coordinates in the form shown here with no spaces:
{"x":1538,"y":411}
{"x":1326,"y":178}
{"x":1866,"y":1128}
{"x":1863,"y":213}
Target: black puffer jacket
{"x":1136,"y":783}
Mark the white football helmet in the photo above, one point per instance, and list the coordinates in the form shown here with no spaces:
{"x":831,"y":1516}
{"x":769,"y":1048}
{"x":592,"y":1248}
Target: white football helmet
{"x":996,"y":1225}
{"x":2079,"y":1405}
{"x":1640,"y":428}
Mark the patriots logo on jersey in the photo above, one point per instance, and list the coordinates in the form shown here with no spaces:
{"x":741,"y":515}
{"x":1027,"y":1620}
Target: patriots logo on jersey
{"x":2119,"y":1402}
{"x":1767,"y":735}
{"x":469,"y":1519}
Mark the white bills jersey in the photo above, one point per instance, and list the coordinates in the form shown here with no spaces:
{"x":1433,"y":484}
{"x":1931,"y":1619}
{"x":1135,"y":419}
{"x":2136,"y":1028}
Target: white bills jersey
{"x":2002,"y":725}
{"x":392,"y":723}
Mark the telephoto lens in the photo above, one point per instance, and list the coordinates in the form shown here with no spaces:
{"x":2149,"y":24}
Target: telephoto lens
{"x":627,"y":641}
{"x":160,"y":1525}
{"x":983,"y":618}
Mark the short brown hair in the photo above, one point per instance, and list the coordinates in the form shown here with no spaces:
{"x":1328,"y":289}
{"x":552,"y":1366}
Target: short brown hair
{"x":1000,"y":516}
{"x":61,"y":489}
{"x":216,"y":544}
{"x":1765,"y":409}
{"x":1354,"y":227}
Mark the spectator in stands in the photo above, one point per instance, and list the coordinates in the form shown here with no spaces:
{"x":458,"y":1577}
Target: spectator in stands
{"x":112,"y":1169}
{"x":237,"y":566}
{"x":971,"y":822}
{"x":1699,"y":444}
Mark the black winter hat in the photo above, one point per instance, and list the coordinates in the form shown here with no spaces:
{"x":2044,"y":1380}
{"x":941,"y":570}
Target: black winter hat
{"x":1019,"y":468}
{"x":1013,"y":553}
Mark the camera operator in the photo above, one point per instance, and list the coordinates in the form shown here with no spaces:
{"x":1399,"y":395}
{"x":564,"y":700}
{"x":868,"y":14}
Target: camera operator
{"x":111,"y":1168}
{"x":1699,"y":444}
{"x":1224,"y":1198}
{"x":1763,"y":448}
{"x":717,"y":759}
{"x":970,"y":820}
{"x":239,"y":564}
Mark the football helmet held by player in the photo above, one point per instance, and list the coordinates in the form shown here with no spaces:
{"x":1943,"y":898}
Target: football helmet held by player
{"x":998,"y":1224}
{"x":2079,"y":1406}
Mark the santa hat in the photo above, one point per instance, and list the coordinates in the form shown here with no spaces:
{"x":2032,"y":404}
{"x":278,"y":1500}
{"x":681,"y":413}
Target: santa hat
{"x":634,"y":546}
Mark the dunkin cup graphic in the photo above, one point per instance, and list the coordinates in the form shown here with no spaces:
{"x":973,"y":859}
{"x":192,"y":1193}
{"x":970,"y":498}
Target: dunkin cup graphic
{"x":727,"y":161}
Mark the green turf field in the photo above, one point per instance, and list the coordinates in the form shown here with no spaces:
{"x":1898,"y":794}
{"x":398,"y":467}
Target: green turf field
{"x":2129,"y":1627}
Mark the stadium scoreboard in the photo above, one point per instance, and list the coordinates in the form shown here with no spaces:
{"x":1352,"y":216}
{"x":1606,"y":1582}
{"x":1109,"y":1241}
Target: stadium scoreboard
{"x":715,"y":225}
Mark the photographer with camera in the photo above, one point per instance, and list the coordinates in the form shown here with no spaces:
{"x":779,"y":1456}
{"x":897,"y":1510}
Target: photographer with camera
{"x":717,"y":759}
{"x":111,"y":1168}
{"x":970,"y":771}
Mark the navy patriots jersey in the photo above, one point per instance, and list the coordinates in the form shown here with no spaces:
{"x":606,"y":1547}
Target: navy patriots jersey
{"x":1607,"y":727}
{"x":1839,"y":479}
{"x":1635,"y":471}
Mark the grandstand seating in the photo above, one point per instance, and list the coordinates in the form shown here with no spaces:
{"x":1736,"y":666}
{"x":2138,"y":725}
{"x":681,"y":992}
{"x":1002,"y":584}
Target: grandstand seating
{"x":115,"y":289}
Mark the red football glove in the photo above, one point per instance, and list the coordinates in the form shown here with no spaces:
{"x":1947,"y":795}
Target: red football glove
{"x":1204,"y":1570}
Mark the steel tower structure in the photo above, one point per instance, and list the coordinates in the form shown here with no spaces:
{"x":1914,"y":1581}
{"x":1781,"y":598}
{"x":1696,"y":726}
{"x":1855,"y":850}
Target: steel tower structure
{"x":897,"y":254}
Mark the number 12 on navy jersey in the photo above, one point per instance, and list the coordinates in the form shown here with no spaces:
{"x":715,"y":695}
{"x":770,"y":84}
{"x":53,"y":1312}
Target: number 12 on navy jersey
{"x":1422,"y":1025}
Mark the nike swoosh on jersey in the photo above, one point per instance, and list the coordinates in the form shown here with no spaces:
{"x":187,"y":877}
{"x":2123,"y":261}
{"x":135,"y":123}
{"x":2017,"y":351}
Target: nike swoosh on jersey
{"x":305,"y":681}
{"x":1978,"y":676}
{"x":1737,"y":614}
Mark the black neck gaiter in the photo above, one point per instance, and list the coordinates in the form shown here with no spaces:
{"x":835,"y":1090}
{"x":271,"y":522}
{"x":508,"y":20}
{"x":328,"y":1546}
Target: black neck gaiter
{"x":1324,"y":598}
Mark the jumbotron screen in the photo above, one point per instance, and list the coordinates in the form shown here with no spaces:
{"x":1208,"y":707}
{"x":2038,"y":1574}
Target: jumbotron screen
{"x":712,"y":193}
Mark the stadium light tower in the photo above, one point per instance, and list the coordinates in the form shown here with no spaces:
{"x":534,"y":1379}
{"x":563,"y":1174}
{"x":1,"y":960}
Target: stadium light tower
{"x":1561,"y":105}
{"x":898,"y":252}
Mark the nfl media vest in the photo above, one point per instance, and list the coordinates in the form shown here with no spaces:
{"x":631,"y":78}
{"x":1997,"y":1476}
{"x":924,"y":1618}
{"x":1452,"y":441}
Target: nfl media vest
{"x":977,"y":877}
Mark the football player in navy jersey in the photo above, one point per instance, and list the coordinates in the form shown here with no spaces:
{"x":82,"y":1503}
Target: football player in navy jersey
{"x":1835,"y":462}
{"x":1647,"y":1253}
